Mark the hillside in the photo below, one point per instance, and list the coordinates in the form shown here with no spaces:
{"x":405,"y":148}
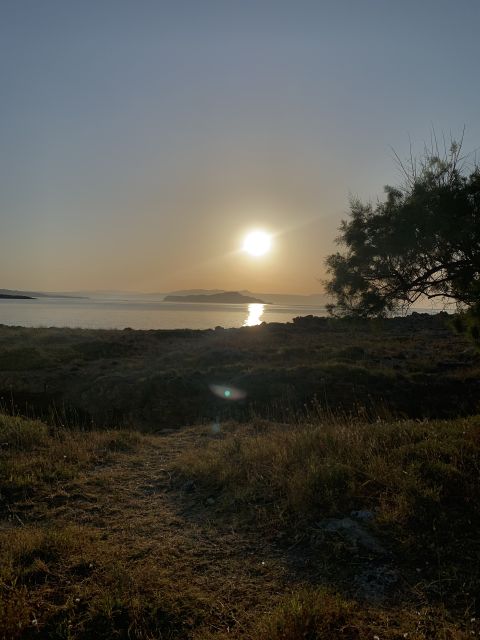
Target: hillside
{"x":408,"y":367}
{"x":225,"y":297}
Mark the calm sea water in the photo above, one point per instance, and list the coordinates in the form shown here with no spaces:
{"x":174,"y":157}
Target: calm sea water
{"x":119,"y":314}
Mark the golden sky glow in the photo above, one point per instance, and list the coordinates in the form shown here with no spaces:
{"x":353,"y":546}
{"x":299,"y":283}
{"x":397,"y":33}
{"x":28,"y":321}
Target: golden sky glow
{"x":141,"y":142}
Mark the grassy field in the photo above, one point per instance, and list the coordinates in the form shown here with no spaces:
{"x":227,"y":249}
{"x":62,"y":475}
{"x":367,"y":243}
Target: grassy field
{"x":408,"y":367}
{"x":338,"y":497}
{"x":325,"y":529}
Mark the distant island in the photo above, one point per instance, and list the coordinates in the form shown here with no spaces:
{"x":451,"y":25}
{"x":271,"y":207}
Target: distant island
{"x":226,"y":297}
{"x":5,"y":296}
{"x":15,"y":294}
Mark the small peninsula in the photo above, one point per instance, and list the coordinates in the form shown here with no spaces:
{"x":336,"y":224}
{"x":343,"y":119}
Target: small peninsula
{"x":226,"y":297}
{"x":5,"y":296}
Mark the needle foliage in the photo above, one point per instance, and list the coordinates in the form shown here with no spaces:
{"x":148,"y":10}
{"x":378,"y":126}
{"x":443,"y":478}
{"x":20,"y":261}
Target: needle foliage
{"x":421,"y":242}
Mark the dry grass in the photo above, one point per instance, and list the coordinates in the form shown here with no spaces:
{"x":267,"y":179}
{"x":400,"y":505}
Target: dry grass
{"x":317,"y":614}
{"x":421,"y":481}
{"x":74,"y":581}
{"x":68,"y":583}
{"x":33,"y":455}
{"x":130,"y":567}
{"x":403,"y":470}
{"x":111,"y":545}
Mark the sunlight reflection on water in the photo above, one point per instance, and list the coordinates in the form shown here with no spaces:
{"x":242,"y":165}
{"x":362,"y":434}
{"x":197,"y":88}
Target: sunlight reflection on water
{"x":138,"y":313}
{"x":255,"y":312}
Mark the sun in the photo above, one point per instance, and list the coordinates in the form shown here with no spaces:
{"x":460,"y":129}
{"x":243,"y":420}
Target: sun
{"x":257,"y":243}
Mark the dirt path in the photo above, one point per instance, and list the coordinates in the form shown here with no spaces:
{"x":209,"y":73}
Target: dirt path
{"x":151,"y":520}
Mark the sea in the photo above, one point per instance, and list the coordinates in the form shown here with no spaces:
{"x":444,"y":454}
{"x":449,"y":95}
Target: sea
{"x":122,"y":313}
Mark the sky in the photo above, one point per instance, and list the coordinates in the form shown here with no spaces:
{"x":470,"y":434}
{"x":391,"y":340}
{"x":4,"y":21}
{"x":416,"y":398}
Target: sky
{"x":141,"y":140}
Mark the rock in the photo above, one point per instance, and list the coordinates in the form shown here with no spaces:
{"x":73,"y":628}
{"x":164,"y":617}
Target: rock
{"x":362,"y":514}
{"x":189,"y":486}
{"x":147,"y":489}
{"x":374,"y":582}
{"x":353,"y":532}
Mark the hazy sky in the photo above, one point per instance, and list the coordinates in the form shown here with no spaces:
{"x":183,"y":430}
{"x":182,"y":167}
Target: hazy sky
{"x":140,"y":140}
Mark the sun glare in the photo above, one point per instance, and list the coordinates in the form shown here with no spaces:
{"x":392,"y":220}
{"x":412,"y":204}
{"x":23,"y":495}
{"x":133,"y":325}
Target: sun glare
{"x":255,"y":312}
{"x":257,"y":243}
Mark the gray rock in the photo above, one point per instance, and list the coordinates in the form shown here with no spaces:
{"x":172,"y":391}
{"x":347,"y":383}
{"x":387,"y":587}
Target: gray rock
{"x":189,"y":486}
{"x":374,"y":582}
{"x":362,"y":514}
{"x":353,"y":532}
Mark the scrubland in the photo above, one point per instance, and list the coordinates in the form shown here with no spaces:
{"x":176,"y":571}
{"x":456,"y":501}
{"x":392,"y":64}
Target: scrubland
{"x":412,"y":367}
{"x":322,"y":505}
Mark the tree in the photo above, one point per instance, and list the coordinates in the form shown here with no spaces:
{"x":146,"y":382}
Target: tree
{"x":422,"y":241}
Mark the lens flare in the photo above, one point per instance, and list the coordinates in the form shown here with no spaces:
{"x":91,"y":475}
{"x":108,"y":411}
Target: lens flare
{"x":227,"y":392}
